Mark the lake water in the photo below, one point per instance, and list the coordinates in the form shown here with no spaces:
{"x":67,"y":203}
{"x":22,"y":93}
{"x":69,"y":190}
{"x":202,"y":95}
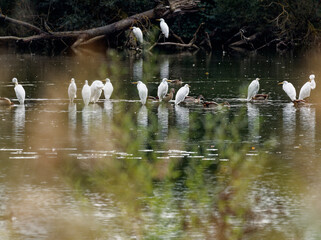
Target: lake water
{"x":119,"y":170}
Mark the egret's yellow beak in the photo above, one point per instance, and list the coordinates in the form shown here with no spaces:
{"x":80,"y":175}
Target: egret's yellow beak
{"x":169,"y":80}
{"x":131,"y":28}
{"x":157,"y":20}
{"x":280,"y":83}
{"x":134,"y":82}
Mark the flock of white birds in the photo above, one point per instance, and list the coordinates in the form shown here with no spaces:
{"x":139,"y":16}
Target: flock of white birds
{"x":288,"y":88}
{"x":92,"y":93}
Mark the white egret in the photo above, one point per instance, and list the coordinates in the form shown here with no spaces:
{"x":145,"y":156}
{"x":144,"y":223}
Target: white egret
{"x":307,"y":87}
{"x":164,"y":27}
{"x":108,"y":88}
{"x":162,"y":89}
{"x":20,"y":92}
{"x":313,"y":84}
{"x":138,"y":34}
{"x":142,"y":91}
{"x":86,"y":92}
{"x":72,"y":90}
{"x":289,"y":90}
{"x":253,"y":89}
{"x":305,"y":91}
{"x":96,"y":88}
{"x":181,"y":94}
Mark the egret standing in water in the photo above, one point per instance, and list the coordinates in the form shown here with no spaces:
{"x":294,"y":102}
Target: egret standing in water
{"x":138,"y":34}
{"x":72,"y":90}
{"x":307,"y":87}
{"x":164,"y":27}
{"x":253,"y":89}
{"x":108,"y":89}
{"x":142,"y":91}
{"x":289,"y":89}
{"x":313,"y":84}
{"x":181,"y":94}
{"x":86,"y":92}
{"x":162,"y":89}
{"x":20,"y":92}
{"x":96,"y":88}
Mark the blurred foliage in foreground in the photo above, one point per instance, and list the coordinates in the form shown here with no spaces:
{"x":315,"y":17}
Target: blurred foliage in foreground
{"x":163,"y":197}
{"x":291,"y":22}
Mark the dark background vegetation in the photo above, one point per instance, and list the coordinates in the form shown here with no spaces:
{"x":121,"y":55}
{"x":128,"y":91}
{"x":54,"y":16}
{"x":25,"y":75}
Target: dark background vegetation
{"x":286,"y":22}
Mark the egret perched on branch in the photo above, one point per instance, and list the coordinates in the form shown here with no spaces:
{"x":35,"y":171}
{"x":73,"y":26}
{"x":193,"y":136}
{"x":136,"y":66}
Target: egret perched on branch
{"x":162,"y":89}
{"x":142,"y":91}
{"x":289,"y":89}
{"x":72,"y":90}
{"x":164,"y":27}
{"x":86,"y":92}
{"x":138,"y":34}
{"x":307,"y":87}
{"x":96,"y":88}
{"x":20,"y":92}
{"x":253,"y":89}
{"x":181,"y":94}
{"x":108,"y":88}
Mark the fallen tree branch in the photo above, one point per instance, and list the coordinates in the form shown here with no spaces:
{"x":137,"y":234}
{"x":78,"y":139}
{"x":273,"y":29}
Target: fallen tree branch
{"x":85,"y":37}
{"x":21,"y":23}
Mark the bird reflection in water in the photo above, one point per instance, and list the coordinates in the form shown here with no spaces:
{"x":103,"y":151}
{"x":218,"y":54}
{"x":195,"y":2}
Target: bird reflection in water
{"x":142,"y":117}
{"x":253,"y":117}
{"x":85,"y":114}
{"x":182,"y":118}
{"x":108,"y":109}
{"x":289,"y":124}
{"x":72,"y":116}
{"x":307,"y":128}
{"x":19,"y":123}
{"x":164,"y":68}
{"x":163,"y":120}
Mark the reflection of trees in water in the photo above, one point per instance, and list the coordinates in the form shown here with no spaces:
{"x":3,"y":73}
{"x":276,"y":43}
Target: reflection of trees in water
{"x":138,"y":70}
{"x":164,"y":68}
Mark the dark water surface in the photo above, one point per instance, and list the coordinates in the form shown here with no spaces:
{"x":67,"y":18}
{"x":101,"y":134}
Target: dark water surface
{"x":119,"y":170}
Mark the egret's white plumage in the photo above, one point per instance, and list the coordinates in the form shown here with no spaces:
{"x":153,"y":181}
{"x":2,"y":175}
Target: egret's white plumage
{"x":181,"y":94}
{"x":96,"y":88}
{"x":72,"y":90}
{"x":313,"y":84}
{"x":162,"y":89}
{"x":253,"y":89}
{"x":20,"y":92}
{"x":164,"y":27}
{"x":138,"y":34}
{"x":289,"y":89}
{"x":108,"y":88}
{"x":305,"y":91}
{"x":86,"y":92}
{"x":142,"y":92}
